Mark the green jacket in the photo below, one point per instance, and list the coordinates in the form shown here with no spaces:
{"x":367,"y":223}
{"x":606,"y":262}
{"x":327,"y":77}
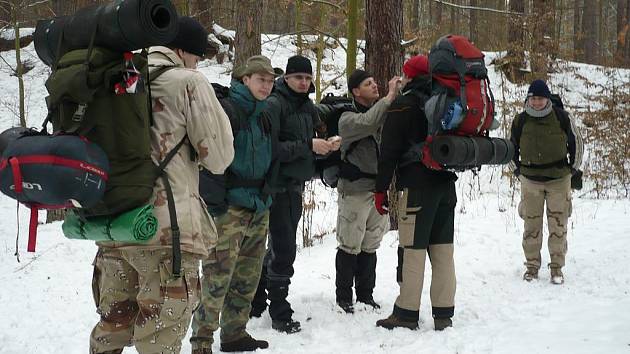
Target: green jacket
{"x":252,"y":150}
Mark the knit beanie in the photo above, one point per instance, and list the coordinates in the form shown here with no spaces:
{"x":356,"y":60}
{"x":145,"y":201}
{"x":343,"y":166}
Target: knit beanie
{"x":538,"y":88}
{"x":191,"y":37}
{"x":356,"y":78}
{"x":418,"y":65}
{"x":298,"y":64}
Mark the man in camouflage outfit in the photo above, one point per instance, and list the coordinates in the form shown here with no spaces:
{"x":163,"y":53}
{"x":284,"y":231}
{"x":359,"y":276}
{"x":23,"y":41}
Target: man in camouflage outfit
{"x":232,"y":272}
{"x":139,"y":299}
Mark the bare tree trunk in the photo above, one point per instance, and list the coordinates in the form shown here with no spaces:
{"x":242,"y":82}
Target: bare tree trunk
{"x":578,"y":43}
{"x":515,"y":59}
{"x":202,"y":10}
{"x":60,"y":7}
{"x":247,"y":41}
{"x":540,"y":26}
{"x":415,"y":16}
{"x":18,"y":64}
{"x":474,"y":24}
{"x":590,"y":35}
{"x":622,"y":53}
{"x":384,"y":56}
{"x":351,"y":34}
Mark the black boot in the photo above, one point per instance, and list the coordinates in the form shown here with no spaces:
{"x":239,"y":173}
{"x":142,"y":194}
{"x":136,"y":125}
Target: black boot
{"x":346,"y":265}
{"x":259,"y":302}
{"x":286,"y":326}
{"x":365,"y":278}
{"x":245,"y":344}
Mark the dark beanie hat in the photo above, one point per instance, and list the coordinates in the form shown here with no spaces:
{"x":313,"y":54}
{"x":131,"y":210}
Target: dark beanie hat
{"x":356,"y":78}
{"x":539,"y":88}
{"x":298,"y":64}
{"x":191,"y":37}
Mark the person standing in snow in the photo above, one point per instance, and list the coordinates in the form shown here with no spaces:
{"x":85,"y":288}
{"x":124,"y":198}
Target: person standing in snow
{"x":291,"y":110}
{"x":360,"y":228}
{"x":426,"y":210}
{"x":548,"y":151}
{"x":139,"y":297}
{"x":232,"y":272}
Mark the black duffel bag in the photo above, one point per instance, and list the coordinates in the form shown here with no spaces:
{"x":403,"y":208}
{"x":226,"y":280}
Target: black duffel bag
{"x":51,"y":171}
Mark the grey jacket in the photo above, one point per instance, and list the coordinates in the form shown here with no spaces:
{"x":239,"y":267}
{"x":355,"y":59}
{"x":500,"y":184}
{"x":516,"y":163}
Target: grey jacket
{"x":360,"y":126}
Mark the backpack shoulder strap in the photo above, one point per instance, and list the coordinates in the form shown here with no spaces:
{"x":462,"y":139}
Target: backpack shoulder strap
{"x":563,"y":117}
{"x":172,"y":212}
{"x":518,"y":128}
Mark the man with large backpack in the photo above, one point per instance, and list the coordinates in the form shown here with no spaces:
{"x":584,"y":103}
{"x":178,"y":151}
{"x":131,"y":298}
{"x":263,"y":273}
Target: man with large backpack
{"x":291,"y":110}
{"x":548,"y":151}
{"x":141,"y":298}
{"x":360,"y":228}
{"x":232,"y":272}
{"x":426,"y":209}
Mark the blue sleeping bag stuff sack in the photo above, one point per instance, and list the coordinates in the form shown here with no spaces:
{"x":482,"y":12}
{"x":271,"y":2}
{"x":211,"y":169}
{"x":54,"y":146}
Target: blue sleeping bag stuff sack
{"x":51,"y":171}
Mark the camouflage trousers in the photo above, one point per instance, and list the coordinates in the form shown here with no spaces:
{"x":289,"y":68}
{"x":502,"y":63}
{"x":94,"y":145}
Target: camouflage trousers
{"x":139,"y":300}
{"x":230,"y":276}
{"x":556,"y":194}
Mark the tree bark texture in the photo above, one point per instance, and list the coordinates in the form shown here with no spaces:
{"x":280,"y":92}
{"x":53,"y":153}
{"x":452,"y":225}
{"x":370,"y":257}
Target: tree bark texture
{"x":589,"y":30}
{"x":384,"y":56}
{"x":247,"y":41}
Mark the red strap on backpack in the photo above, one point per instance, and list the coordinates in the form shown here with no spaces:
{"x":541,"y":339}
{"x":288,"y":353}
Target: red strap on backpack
{"x":427,"y":160}
{"x":32,"y":229}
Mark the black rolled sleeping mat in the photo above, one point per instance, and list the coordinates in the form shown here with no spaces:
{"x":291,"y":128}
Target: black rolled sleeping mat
{"x":123,"y":25}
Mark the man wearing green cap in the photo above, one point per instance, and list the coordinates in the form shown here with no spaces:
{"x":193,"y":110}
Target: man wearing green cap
{"x":239,"y":201}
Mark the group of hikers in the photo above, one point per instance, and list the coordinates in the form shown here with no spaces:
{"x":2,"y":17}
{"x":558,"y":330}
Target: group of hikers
{"x":256,"y":147}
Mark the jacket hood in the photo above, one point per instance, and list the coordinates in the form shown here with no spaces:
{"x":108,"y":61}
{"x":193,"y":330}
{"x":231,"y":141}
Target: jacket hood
{"x":164,"y":56}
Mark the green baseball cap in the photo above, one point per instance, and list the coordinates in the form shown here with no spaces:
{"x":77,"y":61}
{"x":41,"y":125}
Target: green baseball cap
{"x":257,"y":64}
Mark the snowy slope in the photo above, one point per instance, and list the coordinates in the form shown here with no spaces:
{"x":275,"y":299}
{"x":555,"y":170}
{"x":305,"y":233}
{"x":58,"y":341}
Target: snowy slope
{"x":46,"y":304}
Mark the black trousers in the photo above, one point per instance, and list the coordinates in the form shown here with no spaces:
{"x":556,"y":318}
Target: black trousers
{"x":284,"y":217}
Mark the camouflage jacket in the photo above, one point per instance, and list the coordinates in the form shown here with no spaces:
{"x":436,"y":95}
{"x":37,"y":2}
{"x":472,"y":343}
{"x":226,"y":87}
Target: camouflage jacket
{"x":185,"y":106}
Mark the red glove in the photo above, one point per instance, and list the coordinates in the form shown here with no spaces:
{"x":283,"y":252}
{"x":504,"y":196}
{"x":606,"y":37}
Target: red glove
{"x":381,"y":202}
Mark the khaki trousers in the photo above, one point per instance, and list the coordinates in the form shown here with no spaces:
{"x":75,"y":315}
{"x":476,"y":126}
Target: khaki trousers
{"x":556,"y":195}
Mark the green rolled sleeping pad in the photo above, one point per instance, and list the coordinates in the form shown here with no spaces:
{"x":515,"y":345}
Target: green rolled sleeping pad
{"x":137,"y":226}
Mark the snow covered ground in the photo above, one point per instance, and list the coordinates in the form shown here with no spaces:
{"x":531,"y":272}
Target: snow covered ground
{"x":46,"y":304}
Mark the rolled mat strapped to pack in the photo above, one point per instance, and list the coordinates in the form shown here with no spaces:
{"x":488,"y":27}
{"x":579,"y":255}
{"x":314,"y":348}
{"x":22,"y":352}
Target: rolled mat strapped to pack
{"x":123,"y":25}
{"x":137,"y":226}
{"x":462,"y":151}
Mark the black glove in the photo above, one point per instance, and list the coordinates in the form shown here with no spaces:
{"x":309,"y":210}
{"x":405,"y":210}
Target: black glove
{"x":517,"y":172}
{"x":576,"y":180}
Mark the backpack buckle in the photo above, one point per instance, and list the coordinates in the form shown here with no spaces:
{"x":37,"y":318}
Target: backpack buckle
{"x":79,"y":113}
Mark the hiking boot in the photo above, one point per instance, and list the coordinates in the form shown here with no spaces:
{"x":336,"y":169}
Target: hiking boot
{"x":202,"y":351}
{"x":370,"y":302}
{"x":346,"y":306}
{"x":394,"y":321}
{"x":530,"y":274}
{"x":442,"y":323}
{"x":286,"y":326}
{"x":245,"y":344}
{"x":556,"y":276}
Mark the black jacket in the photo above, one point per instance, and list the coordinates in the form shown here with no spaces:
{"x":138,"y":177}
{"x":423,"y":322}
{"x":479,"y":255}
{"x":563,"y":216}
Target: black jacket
{"x":406,"y":125}
{"x":294,"y":114}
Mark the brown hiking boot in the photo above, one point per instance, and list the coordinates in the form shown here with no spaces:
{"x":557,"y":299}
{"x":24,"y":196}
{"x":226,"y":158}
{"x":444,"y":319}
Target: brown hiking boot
{"x":244,"y":344}
{"x":394,"y":321}
{"x":556,"y":276}
{"x":442,"y":323}
{"x":530,"y":274}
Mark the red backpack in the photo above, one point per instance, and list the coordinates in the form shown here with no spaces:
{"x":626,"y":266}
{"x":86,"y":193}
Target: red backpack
{"x":461,"y":103}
